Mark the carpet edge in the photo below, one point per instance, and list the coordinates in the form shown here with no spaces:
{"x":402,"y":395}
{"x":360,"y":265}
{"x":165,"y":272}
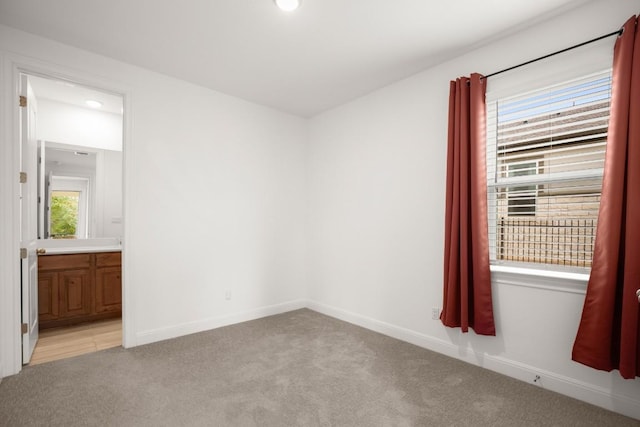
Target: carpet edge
{"x":567,"y":386}
{"x":187,"y":328}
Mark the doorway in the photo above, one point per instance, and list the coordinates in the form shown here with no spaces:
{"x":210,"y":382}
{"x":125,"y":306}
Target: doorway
{"x":70,"y":341}
{"x":74,"y":217}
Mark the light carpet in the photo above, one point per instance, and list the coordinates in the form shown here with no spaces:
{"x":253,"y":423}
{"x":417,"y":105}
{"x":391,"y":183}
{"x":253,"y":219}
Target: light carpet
{"x":295,"y":369}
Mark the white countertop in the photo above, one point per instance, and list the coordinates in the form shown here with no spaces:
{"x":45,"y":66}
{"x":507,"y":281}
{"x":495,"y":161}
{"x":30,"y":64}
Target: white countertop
{"x":80,"y":250}
{"x":79,"y":246}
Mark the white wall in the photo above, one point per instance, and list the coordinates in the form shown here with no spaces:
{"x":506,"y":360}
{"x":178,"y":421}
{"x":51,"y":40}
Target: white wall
{"x":214,"y":199}
{"x":377,"y":169}
{"x":109,"y":221}
{"x":219,"y":191}
{"x":70,"y":124}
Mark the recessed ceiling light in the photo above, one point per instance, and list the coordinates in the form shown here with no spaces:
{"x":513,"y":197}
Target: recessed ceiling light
{"x":288,"y":5}
{"x":93,"y":104}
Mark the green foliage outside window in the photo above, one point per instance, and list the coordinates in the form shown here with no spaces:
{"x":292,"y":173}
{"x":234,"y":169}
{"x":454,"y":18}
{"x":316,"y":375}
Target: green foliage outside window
{"x":64,"y":215}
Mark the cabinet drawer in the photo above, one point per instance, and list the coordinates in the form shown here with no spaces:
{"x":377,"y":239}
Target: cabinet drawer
{"x":108,"y":259}
{"x":61,"y":262}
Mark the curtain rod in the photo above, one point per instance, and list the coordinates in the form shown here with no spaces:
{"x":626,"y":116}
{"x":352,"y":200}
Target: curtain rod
{"x":618,"y":32}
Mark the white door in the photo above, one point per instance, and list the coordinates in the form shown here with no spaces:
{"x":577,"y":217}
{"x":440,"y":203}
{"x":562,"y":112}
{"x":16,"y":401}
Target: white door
{"x":47,"y":204}
{"x":41,"y":190}
{"x":29,"y":219}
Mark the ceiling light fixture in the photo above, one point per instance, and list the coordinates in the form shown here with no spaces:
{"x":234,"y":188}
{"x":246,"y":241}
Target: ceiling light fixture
{"x":288,"y":5}
{"x":93,"y":104}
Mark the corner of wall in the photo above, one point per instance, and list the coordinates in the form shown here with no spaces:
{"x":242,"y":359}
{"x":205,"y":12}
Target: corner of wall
{"x":187,"y":328}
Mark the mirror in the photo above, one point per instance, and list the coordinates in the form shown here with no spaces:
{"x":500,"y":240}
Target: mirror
{"x":82,"y":197}
{"x":79,"y":133}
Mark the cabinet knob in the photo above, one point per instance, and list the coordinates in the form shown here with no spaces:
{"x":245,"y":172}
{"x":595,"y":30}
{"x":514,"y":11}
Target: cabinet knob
{"x":638,"y":294}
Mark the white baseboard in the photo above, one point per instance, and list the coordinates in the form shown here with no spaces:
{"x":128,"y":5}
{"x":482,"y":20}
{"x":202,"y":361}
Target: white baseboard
{"x":161,"y":334}
{"x":567,"y":386}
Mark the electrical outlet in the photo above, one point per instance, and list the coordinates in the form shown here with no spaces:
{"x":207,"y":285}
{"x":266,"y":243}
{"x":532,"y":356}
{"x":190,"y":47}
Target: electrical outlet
{"x":435,"y":313}
{"x":227,"y":294}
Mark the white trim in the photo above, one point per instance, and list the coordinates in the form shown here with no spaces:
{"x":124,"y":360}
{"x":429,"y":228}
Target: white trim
{"x":403,"y":334}
{"x":567,"y":386}
{"x":128,"y":296}
{"x":12,"y":65}
{"x":10,"y":342}
{"x":552,"y":280}
{"x":160,"y":334}
{"x":571,"y":387}
{"x":6,"y":244}
{"x":546,"y":178}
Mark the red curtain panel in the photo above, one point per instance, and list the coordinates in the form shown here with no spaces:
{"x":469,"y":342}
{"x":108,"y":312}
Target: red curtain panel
{"x":609,"y":334}
{"x":467,"y":278}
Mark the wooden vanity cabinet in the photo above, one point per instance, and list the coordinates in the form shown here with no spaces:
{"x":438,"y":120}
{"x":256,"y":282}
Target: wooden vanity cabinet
{"x":108,"y":283}
{"x":77,"y":288}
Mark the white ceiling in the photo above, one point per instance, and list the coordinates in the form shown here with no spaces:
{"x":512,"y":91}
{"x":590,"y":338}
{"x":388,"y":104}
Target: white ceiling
{"x":63,"y":157}
{"x":75,"y":94}
{"x":324,"y":54}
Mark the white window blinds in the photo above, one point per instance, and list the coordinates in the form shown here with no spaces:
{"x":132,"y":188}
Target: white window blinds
{"x":545,"y":158}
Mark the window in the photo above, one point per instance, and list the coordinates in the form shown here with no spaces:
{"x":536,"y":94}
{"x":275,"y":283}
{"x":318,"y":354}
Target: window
{"x":545,"y":158}
{"x":64,"y":214}
{"x":521,"y":200}
{"x":68,"y":207}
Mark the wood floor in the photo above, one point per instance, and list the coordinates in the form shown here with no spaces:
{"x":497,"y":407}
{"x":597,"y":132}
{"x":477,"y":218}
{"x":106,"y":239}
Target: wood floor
{"x":69,"y":341}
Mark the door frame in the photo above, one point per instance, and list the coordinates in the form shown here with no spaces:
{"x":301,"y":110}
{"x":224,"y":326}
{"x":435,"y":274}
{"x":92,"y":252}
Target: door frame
{"x":11,"y":65}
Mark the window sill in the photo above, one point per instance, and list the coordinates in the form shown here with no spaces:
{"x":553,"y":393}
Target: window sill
{"x":559,"y":281}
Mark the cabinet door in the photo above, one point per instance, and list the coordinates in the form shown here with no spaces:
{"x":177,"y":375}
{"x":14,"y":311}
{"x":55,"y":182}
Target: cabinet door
{"x":108,"y":289}
{"x":75,"y":292}
{"x":48,"y":296}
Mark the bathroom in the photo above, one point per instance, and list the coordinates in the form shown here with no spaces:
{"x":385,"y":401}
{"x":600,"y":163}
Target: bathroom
{"x":79,"y":146}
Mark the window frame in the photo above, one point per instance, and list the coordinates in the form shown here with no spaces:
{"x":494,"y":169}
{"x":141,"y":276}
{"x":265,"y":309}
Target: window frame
{"x":502,"y":181}
{"x":522,"y":194}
